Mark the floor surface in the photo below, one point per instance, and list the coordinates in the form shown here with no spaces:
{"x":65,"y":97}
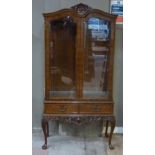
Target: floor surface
{"x":67,"y":145}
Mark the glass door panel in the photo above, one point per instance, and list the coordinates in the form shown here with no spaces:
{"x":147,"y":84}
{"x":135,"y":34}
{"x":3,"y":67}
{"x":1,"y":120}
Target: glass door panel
{"x":63,"y":50}
{"x":96,"y":45}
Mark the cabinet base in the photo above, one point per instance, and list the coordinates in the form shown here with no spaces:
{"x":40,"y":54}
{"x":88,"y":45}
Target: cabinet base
{"x":78,"y":120}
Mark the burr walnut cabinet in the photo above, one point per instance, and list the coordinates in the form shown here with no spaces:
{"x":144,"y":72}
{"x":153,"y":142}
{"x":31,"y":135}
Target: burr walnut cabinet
{"x":79,"y":53}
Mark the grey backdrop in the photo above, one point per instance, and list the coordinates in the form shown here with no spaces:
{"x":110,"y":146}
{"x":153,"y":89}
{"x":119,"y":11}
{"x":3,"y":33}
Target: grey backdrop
{"x":41,"y":6}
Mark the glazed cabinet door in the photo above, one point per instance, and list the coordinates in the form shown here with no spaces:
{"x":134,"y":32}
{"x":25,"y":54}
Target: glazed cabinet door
{"x":61,"y":56}
{"x":98,"y":55}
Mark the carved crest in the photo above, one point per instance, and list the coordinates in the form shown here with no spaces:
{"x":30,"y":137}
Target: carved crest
{"x":82,"y":9}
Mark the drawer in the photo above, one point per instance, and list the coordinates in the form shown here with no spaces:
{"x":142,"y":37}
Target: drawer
{"x":96,"y":108}
{"x":60,"y":108}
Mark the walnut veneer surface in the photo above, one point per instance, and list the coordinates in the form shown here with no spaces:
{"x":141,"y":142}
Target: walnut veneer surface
{"x":79,"y":53}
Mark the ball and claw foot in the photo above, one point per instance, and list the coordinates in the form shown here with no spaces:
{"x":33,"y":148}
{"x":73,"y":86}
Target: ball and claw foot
{"x":44,"y":147}
{"x":111,"y":147}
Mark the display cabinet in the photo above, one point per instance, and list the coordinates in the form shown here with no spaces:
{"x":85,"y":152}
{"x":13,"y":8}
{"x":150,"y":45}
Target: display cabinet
{"x":79,"y":52}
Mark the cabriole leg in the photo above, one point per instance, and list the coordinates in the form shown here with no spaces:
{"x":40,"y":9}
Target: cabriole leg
{"x":106,"y":129}
{"x":100,"y":133}
{"x":45,"y":131}
{"x":47,"y":128}
{"x":112,"y":122}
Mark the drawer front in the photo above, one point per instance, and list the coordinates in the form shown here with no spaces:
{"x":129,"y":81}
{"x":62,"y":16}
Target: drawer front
{"x":60,"y":108}
{"x":96,"y":108}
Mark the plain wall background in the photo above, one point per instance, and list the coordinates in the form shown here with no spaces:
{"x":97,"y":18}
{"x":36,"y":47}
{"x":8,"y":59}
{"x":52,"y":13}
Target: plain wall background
{"x":41,"y":6}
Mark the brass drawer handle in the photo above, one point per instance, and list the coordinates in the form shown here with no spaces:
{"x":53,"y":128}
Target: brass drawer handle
{"x":63,"y":109}
{"x":96,"y":109}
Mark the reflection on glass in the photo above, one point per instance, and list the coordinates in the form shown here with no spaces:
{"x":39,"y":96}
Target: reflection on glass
{"x":99,"y":29}
{"x":96,"y":58}
{"x":62,"y":48}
